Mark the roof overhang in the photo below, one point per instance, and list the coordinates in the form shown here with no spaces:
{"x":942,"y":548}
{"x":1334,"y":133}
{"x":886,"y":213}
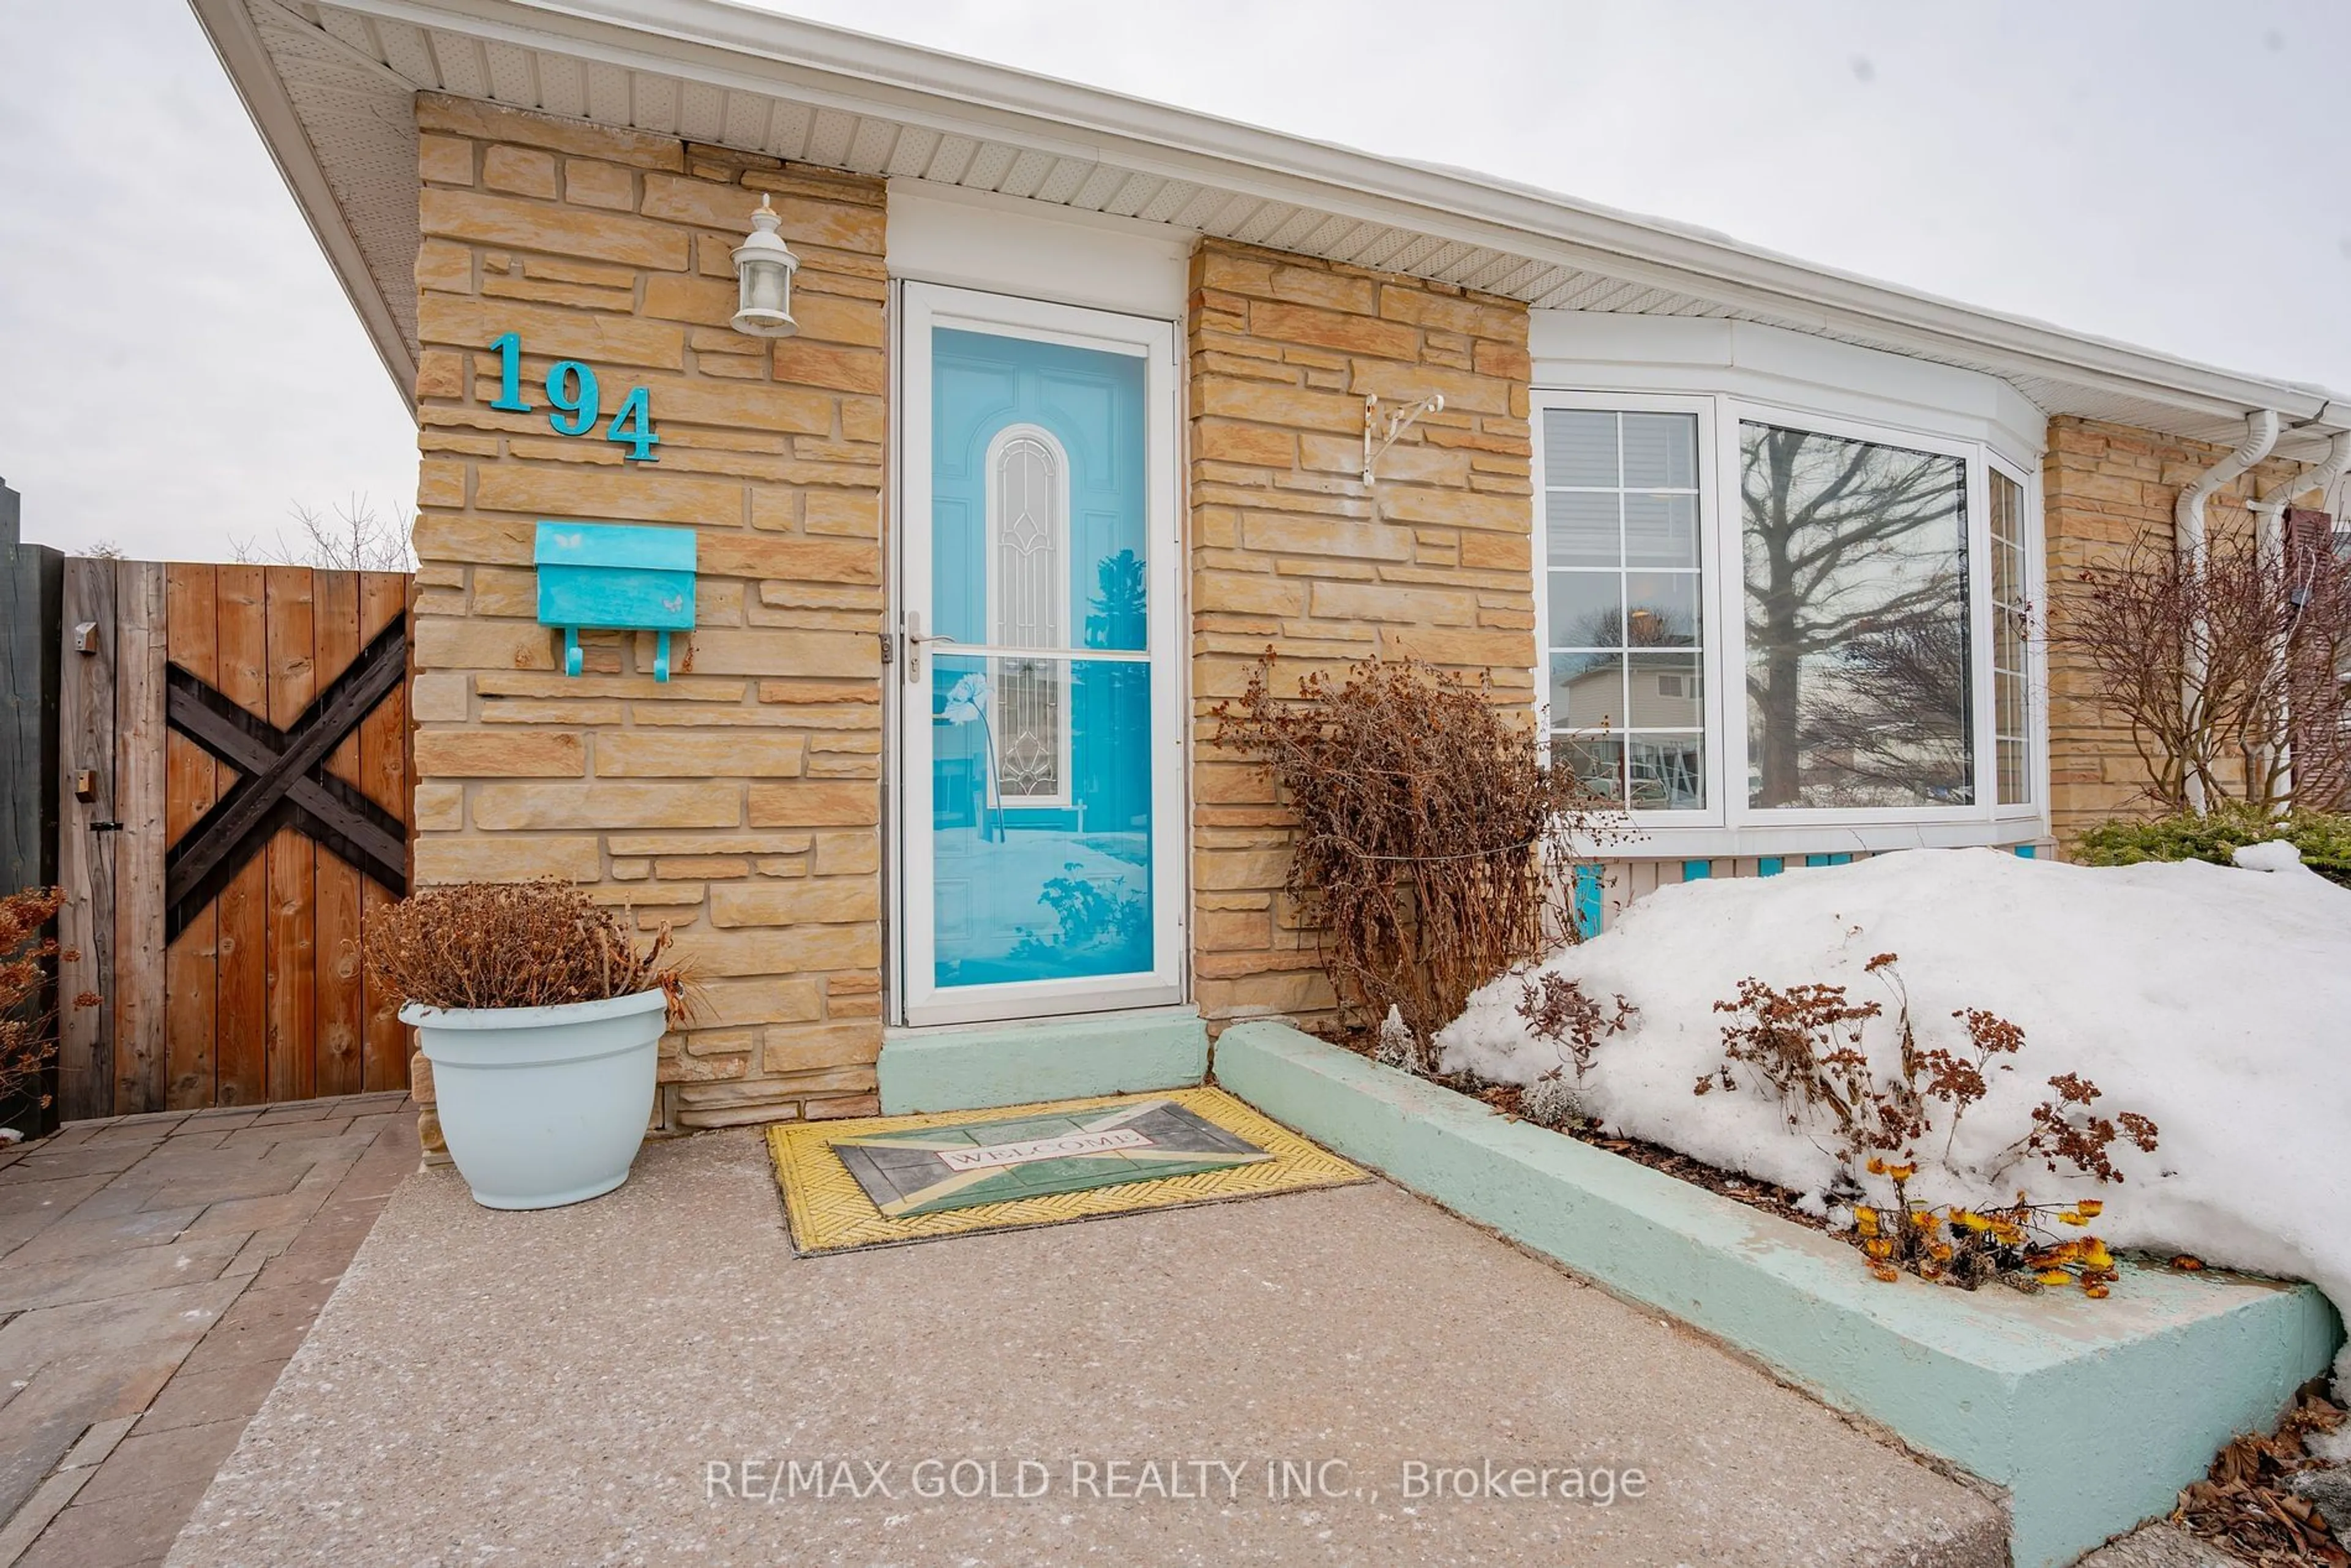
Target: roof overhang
{"x":332,"y":87}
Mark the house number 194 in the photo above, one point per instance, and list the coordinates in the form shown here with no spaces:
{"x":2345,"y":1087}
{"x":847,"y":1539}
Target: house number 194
{"x":571,"y":388}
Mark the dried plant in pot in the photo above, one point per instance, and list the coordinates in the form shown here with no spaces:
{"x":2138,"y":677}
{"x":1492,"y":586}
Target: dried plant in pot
{"x":542,"y":1015}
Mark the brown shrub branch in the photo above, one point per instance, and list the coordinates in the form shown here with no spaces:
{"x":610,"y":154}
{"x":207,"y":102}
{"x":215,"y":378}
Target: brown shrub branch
{"x":1434,"y":839}
{"x":28,"y":1026}
{"x":2267,"y":638}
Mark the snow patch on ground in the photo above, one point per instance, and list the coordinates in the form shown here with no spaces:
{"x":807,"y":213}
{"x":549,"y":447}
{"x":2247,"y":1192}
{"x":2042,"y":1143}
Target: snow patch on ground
{"x":2213,"y":999}
{"x":2271,"y":854}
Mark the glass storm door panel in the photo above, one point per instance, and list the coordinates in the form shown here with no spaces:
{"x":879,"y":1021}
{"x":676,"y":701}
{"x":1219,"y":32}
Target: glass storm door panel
{"x":1038,"y":816}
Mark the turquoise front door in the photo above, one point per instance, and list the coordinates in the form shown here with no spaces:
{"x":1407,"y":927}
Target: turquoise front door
{"x":1036,"y":816}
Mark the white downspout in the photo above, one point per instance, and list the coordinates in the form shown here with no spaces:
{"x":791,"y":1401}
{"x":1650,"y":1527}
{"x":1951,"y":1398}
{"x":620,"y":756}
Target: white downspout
{"x":2188,"y":539}
{"x":2268,"y":512}
{"x":2269,"y":524}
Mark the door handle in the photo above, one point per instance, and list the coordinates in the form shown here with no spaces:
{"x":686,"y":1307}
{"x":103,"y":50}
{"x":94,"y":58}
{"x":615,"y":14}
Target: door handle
{"x":914,"y":640}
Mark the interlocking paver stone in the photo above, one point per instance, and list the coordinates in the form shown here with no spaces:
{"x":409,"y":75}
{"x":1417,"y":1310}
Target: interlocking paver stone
{"x":137,"y":1296}
{"x":173,"y":1457}
{"x":122,"y":1532}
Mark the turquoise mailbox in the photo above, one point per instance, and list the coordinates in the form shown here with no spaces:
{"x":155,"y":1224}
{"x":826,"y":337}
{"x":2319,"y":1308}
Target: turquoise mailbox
{"x":615,"y":576}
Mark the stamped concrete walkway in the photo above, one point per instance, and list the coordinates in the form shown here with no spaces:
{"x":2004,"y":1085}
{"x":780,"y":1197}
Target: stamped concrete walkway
{"x":605,"y":1384}
{"x":155,"y":1274}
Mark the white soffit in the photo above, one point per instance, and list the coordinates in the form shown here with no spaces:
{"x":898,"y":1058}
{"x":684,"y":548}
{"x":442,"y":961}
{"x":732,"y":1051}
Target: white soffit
{"x":330,"y":85}
{"x":971,"y":239}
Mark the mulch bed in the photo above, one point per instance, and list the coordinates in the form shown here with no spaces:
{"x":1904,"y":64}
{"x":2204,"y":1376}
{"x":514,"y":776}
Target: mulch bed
{"x":1762,"y":1195}
{"x":1504,"y":1097}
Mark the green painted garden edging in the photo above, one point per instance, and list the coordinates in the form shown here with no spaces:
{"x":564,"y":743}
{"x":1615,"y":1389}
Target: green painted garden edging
{"x":2092,"y":1414}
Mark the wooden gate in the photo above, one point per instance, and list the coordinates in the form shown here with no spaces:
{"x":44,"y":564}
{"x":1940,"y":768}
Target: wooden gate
{"x":234,"y":797}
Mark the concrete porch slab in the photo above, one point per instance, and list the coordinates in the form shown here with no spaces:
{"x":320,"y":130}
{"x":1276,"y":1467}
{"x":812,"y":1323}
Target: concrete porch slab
{"x":2091,"y":1414}
{"x":588,"y":1384}
{"x":983,"y":1066}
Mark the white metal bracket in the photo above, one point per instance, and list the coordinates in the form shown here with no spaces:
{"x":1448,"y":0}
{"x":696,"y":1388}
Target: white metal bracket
{"x":1377,"y":440}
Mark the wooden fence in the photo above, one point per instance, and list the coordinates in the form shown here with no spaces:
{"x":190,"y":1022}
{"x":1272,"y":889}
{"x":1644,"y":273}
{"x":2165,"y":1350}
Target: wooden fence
{"x":30,"y":576}
{"x":29,"y":579}
{"x":233,"y":754}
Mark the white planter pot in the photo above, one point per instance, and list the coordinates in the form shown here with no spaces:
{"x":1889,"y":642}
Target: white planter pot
{"x":543,"y":1106}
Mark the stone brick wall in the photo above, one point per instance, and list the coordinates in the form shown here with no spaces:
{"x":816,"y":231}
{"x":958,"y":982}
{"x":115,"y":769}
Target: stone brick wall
{"x":739,"y":800}
{"x":1289,"y":546}
{"x":2105,"y":486}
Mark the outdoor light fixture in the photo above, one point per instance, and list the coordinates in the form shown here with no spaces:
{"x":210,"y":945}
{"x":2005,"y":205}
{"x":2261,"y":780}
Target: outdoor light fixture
{"x":764,"y":266}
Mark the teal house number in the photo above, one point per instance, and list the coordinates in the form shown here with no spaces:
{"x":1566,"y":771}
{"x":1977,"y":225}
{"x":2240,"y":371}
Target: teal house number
{"x":577,"y":404}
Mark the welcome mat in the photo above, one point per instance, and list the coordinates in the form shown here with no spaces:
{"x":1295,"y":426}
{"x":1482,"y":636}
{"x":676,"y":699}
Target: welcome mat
{"x":890,"y":1179}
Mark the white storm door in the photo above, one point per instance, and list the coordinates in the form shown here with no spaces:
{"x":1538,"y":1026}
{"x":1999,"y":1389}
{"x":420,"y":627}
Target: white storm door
{"x":1039,"y":769}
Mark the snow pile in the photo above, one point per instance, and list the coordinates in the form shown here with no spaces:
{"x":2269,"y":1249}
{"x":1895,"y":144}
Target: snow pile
{"x":2272,"y":854}
{"x":2213,"y":999}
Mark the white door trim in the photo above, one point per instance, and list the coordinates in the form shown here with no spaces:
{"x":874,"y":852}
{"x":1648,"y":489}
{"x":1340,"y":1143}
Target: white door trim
{"x":916,"y":997}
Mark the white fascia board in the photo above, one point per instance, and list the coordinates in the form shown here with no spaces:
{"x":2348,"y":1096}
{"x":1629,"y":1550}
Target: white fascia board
{"x":758,"y":51}
{"x":238,"y":45}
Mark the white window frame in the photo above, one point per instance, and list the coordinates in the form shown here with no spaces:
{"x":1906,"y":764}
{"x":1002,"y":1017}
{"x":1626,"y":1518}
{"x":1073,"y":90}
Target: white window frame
{"x":2034,"y":589}
{"x":1729,"y":825}
{"x":1709,"y":574}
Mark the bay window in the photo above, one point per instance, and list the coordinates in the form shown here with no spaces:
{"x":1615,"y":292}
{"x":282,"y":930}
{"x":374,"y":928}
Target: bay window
{"x":1756,"y":622}
{"x":1857,"y":612}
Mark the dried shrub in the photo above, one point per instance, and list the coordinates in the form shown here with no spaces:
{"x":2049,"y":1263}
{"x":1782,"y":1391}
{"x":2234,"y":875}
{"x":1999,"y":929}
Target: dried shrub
{"x":2229,"y":668}
{"x":515,"y":944}
{"x":1556,"y":1008}
{"x":27,"y":1028}
{"x":2066,"y":1129}
{"x":1804,"y":1047}
{"x":1433,"y":840}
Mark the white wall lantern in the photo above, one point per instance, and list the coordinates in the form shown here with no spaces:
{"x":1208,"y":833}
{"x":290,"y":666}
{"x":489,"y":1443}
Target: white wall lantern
{"x":764,"y":266}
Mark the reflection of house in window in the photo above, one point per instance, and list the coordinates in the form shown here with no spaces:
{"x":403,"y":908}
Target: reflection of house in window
{"x":1029,"y":607}
{"x":1625,"y":647}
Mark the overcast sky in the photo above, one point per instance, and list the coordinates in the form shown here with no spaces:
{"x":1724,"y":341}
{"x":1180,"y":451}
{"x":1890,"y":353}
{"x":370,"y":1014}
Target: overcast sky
{"x":179,"y":367}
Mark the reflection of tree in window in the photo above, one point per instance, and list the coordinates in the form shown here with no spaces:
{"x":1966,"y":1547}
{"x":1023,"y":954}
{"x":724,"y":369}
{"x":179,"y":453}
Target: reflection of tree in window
{"x":1857,"y":662}
{"x":1111,"y":703}
{"x":1893,"y":727}
{"x":1114,"y":617}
